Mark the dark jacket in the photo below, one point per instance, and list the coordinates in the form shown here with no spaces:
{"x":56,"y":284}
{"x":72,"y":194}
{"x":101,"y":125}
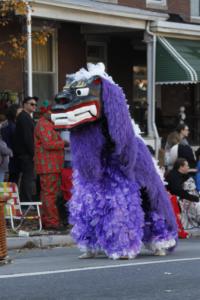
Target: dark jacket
{"x":24,"y":136}
{"x":185,"y":151}
{"x":175,"y":182}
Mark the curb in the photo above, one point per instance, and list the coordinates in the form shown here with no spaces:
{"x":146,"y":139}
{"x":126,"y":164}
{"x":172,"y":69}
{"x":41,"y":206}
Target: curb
{"x":44,"y":241}
{"x":195,"y":232}
{"x":39,"y":241}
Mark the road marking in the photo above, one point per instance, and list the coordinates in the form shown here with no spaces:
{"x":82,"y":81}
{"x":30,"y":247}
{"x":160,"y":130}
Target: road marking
{"x":99,"y":267}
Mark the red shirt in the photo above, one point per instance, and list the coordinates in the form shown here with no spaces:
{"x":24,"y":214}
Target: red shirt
{"x":49,"y":148}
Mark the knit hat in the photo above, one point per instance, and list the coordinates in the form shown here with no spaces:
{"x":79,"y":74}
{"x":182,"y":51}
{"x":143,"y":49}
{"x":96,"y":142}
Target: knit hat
{"x":45,"y":107}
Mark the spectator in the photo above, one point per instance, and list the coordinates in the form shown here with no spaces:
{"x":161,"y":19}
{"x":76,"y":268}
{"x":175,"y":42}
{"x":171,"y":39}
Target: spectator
{"x":181,"y":151}
{"x":24,"y":147}
{"x":172,"y":140}
{"x":49,"y":159}
{"x":181,"y":184}
{"x":5,"y":154}
{"x":183,"y":131}
{"x":176,"y":178}
{"x":8,"y":135}
{"x":177,"y":146}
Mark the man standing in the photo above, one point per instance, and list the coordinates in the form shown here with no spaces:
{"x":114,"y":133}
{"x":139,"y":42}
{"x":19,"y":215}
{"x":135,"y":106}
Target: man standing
{"x":24,"y":147}
{"x":49,"y":158}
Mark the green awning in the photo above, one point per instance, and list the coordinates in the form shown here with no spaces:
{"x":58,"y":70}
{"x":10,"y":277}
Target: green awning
{"x":177,"y":61}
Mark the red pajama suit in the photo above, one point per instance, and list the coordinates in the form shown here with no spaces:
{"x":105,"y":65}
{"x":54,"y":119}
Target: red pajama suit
{"x":49,"y":158}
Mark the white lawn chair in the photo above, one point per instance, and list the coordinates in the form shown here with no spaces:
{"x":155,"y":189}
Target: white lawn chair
{"x":13,"y":207}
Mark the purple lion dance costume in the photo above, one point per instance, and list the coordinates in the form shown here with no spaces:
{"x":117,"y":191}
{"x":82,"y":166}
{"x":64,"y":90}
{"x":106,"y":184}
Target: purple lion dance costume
{"x":119,"y":202}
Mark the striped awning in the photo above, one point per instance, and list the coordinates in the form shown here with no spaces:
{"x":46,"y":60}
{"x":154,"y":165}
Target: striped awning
{"x":177,"y":61}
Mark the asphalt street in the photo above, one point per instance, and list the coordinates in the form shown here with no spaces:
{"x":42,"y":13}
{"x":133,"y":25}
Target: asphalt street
{"x":57,"y":273}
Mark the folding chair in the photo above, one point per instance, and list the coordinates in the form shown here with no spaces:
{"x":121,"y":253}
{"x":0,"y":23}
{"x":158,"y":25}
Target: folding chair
{"x":13,"y":207}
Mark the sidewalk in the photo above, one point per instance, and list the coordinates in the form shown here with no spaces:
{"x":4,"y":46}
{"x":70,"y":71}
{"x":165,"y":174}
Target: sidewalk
{"x":51,"y":239}
{"x":42,"y":239}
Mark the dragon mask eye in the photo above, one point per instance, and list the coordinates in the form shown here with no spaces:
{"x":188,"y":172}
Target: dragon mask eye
{"x":82,"y":92}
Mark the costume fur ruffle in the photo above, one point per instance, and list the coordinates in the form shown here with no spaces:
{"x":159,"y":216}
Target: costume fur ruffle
{"x":119,"y":202}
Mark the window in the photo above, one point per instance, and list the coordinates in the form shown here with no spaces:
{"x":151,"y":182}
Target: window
{"x":96,"y":52}
{"x":195,"y":8}
{"x":45,"y":69}
{"x":156,"y":4}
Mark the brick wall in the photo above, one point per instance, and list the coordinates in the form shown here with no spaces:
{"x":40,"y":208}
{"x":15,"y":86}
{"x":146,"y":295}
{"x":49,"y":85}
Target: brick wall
{"x":133,"y":3}
{"x":71,"y":51}
{"x":180,"y":7}
{"x":11,"y":74}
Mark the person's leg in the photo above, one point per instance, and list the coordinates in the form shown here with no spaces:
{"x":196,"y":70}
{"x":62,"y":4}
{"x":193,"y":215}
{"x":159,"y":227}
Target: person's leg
{"x":27,"y":179}
{"x":14,"y":170}
{"x":66,"y":183}
{"x":50,"y":185}
{"x":65,"y":195}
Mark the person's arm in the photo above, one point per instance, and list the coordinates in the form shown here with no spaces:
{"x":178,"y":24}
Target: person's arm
{"x":175,"y":187}
{"x":4,"y":150}
{"x":185,"y":195}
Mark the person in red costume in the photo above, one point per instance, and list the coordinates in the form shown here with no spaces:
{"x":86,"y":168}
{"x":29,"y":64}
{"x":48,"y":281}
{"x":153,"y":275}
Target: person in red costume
{"x":49,"y":158}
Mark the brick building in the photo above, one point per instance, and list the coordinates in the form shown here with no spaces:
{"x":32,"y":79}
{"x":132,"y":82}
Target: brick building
{"x":140,"y":41}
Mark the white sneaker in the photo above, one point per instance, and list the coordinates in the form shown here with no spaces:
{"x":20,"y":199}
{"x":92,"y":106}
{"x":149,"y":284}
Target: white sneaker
{"x":161,"y":252}
{"x":87,"y":254}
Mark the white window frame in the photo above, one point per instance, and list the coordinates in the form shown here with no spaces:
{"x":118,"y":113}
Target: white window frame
{"x":161,"y":4}
{"x":195,"y":9}
{"x":54,"y":71}
{"x":54,"y":60}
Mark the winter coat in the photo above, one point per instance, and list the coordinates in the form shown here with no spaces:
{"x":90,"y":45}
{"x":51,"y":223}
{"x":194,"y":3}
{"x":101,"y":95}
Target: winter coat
{"x":49,"y":148}
{"x":5,"y":154}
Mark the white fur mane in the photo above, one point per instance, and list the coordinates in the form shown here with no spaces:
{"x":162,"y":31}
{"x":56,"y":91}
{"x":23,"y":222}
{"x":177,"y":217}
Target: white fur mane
{"x":92,"y":70}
